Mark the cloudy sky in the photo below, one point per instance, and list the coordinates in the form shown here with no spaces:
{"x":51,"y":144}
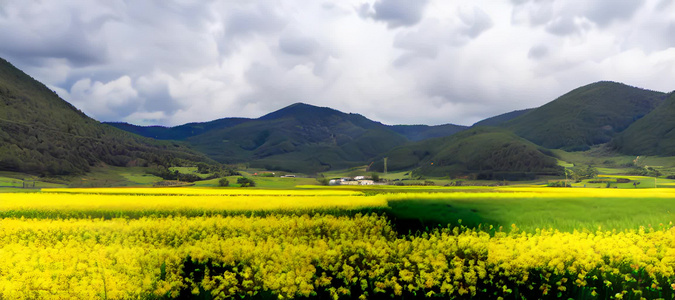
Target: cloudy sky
{"x":394,"y":61}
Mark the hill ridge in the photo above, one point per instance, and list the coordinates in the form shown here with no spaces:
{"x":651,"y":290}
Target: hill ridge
{"x":586,"y":116}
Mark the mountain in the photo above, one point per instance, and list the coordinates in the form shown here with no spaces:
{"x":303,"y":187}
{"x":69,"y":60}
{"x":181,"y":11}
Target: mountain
{"x":490,"y":152}
{"x":586,"y":116}
{"x":300,"y":138}
{"x":41,"y":133}
{"x":654,"y":134}
{"x":423,"y":132}
{"x":178,"y":133}
{"x":297,"y":138}
{"x":501,"y":119}
{"x":183,"y":132}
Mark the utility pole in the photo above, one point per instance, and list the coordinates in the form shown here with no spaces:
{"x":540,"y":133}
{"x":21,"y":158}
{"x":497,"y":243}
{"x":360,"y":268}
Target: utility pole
{"x":385,"y":165}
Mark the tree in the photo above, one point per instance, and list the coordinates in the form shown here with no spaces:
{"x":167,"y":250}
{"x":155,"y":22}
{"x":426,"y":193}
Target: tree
{"x":203,"y":168}
{"x":223,"y":182}
{"x":245,"y":182}
{"x":322,"y":179}
{"x":580,"y":173}
{"x":375,"y":177}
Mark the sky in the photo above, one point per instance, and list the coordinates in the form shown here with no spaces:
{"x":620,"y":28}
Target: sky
{"x":431,"y":62}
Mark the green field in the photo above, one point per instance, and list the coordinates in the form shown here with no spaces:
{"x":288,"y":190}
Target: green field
{"x":529,"y":214}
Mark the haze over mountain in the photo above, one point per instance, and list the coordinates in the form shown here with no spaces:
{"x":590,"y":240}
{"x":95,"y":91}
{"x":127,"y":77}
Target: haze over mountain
{"x":586,"y":116}
{"x":41,"y":133}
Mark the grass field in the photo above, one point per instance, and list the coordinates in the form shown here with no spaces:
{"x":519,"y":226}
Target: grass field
{"x":539,"y":208}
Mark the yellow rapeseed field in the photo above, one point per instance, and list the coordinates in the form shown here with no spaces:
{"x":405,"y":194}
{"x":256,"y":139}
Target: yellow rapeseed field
{"x":177,"y":243}
{"x":188,"y":191}
{"x":192,"y":204}
{"x":320,"y":255}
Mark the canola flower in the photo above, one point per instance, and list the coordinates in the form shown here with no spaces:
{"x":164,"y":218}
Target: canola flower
{"x":110,"y":205}
{"x":53,"y":247}
{"x":192,"y":191}
{"x":287,"y":256}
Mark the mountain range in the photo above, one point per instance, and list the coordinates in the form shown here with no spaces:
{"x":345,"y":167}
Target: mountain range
{"x":43,"y":134}
{"x":299,"y":138}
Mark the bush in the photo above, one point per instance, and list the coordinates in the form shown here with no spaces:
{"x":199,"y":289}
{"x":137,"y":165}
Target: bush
{"x":223,"y":182}
{"x":245,"y":182}
{"x":559,"y":184}
{"x":323,"y":180}
{"x":580,"y":173}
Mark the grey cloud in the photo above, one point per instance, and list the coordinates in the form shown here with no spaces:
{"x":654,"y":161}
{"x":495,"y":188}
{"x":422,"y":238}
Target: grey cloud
{"x":76,"y":43}
{"x":538,"y":52}
{"x":243,"y":21}
{"x":562,"y":26}
{"x":156,"y":96}
{"x":247,"y":21}
{"x":476,"y":22}
{"x":537,"y":13}
{"x":396,"y":13}
{"x":603,"y":12}
{"x":427,"y":40}
{"x":663,"y":5}
{"x":364,"y":11}
{"x":297,"y":45}
{"x":669,"y":36}
{"x":424,"y":41}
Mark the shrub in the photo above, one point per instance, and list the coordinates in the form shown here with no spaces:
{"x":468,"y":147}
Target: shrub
{"x":245,"y":182}
{"x":223,"y":182}
{"x":559,"y":184}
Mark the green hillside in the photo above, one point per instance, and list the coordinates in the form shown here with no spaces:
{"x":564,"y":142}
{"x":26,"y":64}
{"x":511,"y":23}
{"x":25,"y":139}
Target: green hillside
{"x":297,"y":138}
{"x":423,"y":132}
{"x":178,"y":133}
{"x":300,"y":138}
{"x":485,"y":151}
{"x":654,"y":134}
{"x":42,"y":134}
{"x":586,"y":116}
{"x":501,"y":119}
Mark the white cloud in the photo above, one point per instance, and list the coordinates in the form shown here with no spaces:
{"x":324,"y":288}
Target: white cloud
{"x":395,"y":61}
{"x":114,"y":99}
